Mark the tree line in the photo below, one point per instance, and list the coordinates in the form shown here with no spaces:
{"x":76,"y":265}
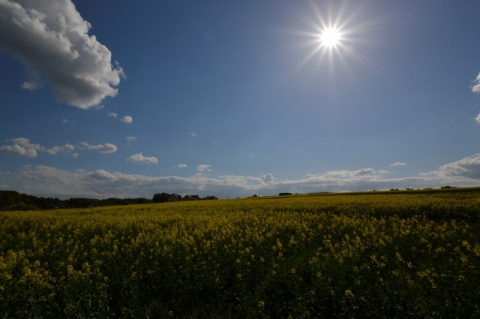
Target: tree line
{"x":13,"y":200}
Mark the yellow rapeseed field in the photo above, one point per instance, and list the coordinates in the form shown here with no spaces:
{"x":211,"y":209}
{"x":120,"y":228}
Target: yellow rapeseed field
{"x":348,"y":256}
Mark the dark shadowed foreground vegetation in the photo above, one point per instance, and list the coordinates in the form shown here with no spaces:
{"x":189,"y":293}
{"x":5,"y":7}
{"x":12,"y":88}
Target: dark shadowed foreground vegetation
{"x":409,"y":255}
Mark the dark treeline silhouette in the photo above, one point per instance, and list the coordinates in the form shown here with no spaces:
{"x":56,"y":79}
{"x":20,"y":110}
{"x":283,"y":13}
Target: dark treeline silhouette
{"x":13,"y":200}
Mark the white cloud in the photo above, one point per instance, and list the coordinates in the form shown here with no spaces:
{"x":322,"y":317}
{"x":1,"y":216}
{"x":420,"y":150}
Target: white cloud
{"x":101,"y":148}
{"x":50,"y":38}
{"x":22,"y":146}
{"x":193,"y":134}
{"x":32,"y":85}
{"x":131,"y":139}
{"x":476,"y":85}
{"x":127,"y":119}
{"x":478,"y":118}
{"x":468,"y":167}
{"x":48,"y":181}
{"x":267,"y":179}
{"x":102,"y":175}
{"x":139,"y":158}
{"x":396,"y":164}
{"x":67,"y":148}
{"x":112,"y":114}
{"x":364,"y":171}
{"x":182,"y":165}
{"x":204,"y":168}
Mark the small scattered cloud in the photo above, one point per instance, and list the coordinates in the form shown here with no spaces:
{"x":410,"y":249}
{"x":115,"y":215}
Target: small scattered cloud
{"x":67,"y":148}
{"x":203,"y":168}
{"x":100,"y":148}
{"x":65,"y":121}
{"x":182,"y":165}
{"x":127,"y":119}
{"x":397,"y":164}
{"x":131,"y":140}
{"x":476,"y":85}
{"x":39,"y":32}
{"x":193,"y":134}
{"x":30,"y":85}
{"x":139,"y":158}
{"x":112,"y":114}
{"x":22,"y":146}
{"x":476,"y":89}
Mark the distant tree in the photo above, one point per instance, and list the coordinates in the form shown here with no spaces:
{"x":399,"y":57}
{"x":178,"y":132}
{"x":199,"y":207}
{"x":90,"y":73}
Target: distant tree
{"x":8,"y":199}
{"x":191,"y":197}
{"x":82,"y":202}
{"x":160,"y":198}
{"x":174,"y":197}
{"x":12,"y":200}
{"x":139,"y":200}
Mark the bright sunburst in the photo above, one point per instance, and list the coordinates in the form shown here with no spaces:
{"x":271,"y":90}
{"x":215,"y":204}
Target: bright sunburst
{"x":330,"y":37}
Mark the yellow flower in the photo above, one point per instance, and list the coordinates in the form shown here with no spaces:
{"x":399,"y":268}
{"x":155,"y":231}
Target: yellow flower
{"x":261,"y":304}
{"x":476,"y":249}
{"x":70,"y":270}
{"x":348,"y":294}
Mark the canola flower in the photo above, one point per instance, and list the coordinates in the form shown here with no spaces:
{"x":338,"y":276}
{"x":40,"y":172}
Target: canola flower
{"x":301,"y":257}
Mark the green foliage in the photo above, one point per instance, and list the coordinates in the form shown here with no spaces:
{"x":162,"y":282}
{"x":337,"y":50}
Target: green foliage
{"x":395,"y":256}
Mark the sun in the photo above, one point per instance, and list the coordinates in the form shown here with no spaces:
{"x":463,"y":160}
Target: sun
{"x":330,"y":37}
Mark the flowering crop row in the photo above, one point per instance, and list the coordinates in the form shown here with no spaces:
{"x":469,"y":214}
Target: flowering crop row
{"x":403,"y":255}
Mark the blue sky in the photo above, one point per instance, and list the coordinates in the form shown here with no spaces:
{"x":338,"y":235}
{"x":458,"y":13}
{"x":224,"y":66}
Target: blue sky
{"x":114,"y":99}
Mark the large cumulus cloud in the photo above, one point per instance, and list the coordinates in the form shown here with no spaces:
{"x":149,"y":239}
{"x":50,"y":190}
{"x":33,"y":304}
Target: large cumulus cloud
{"x":51,"y":39}
{"x":468,"y":167}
